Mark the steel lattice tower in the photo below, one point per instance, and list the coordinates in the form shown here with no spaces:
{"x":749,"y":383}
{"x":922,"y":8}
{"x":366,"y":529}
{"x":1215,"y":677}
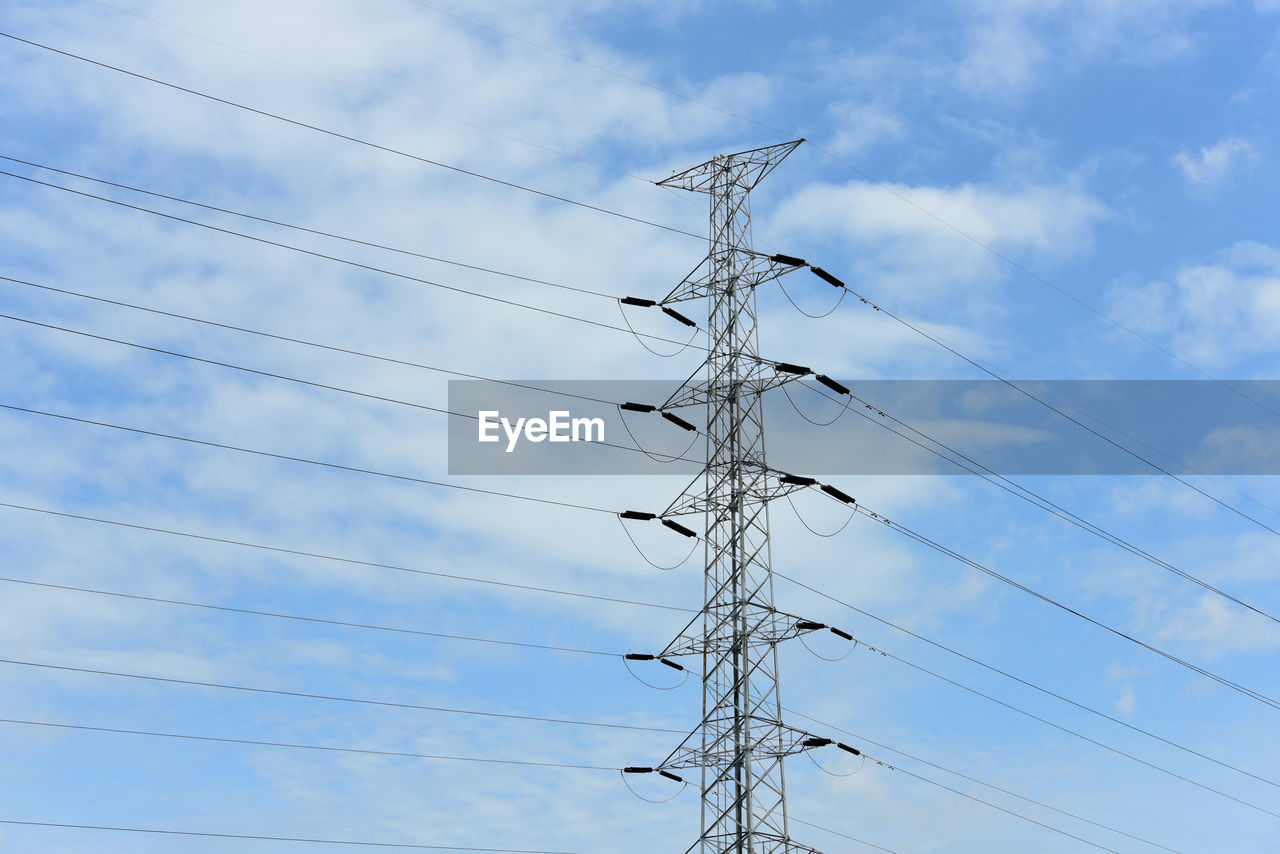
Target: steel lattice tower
{"x":741,"y":741}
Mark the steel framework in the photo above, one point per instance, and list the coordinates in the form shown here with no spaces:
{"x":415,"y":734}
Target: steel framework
{"x":741,"y":741}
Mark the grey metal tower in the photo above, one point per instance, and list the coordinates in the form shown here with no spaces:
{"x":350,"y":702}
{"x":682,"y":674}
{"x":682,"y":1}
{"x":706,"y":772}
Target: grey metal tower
{"x":741,"y":741}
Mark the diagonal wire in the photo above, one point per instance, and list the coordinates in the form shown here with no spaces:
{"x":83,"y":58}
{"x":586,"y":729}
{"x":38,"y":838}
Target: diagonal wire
{"x":368,"y":267}
{"x":306,"y":230}
{"x":387,"y":149}
{"x":224,"y":686}
{"x":345,"y":560}
{"x":261,"y":838}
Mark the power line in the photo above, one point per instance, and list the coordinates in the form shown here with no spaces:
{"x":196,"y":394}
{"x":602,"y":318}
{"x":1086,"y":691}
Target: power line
{"x":901,"y":529}
{"x":895,"y":526}
{"x":565,"y":649}
{"x":979,"y":782}
{"x":345,"y":560}
{"x":545,"y":647}
{"x":299,"y":618}
{"x":1026,"y":683}
{"x":259,"y":838}
{"x":304,"y":342}
{"x":298,"y":381}
{"x":336,"y":466}
{"x":841,"y":835}
{"x":363,"y":751}
{"x":1071,"y":732}
{"x":908,"y":427}
{"x":334,"y":698}
{"x":1020,"y":390}
{"x":373,"y":93}
{"x":295,"y":122}
{"x":986,"y":247}
{"x":347,"y":261}
{"x":993,"y":806}
{"x":306,"y":230}
{"x":973,"y":467}
{"x":951,"y":553}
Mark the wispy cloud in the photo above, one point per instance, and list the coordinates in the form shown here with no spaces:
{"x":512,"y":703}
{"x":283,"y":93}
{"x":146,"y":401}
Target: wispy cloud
{"x":1213,"y":164}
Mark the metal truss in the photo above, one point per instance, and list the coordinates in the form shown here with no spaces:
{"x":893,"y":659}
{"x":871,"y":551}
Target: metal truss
{"x":741,"y":742}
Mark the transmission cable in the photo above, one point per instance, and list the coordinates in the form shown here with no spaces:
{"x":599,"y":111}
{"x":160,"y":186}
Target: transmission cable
{"x":954,"y":555}
{"x":1016,"y":387}
{"x":311,"y":383}
{"x":1071,"y":732}
{"x":306,"y":230}
{"x":373,"y":93}
{"x":546,"y":647}
{"x":347,"y":261}
{"x":299,"y":618}
{"x":922,"y":761}
{"x":303,"y":342}
{"x":277,"y":615}
{"x":337,"y":466}
{"x":346,"y":560}
{"x":337,"y":699}
{"x":986,"y":247}
{"x":327,"y":748}
{"x":897,"y":527}
{"x":337,"y":135}
{"x":1026,"y":494}
{"x":993,"y":669}
{"x":151,"y":599}
{"x":258,"y":838}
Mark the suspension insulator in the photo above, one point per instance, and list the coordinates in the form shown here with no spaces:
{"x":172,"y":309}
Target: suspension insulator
{"x":827,"y":277}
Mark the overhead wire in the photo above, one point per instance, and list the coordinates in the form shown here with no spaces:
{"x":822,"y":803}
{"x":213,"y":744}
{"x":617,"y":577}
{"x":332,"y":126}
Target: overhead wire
{"x":278,"y":692}
{"x":391,"y":754}
{"x":1022,"y":391}
{"x":340,"y":559}
{"x":336,"y":466}
{"x":349,"y":138}
{"x":1026,"y":683}
{"x":562,"y":649}
{"x":420,"y":4}
{"x":895,"y":526}
{"x":1117,"y":632}
{"x":544,"y":647}
{"x":840,"y":834}
{"x":988,"y":474}
{"x":304,"y":342}
{"x":881,"y":185}
{"x":983,"y":783}
{"x":1071,"y":732}
{"x":373,"y":93}
{"x":348,"y":262}
{"x":307,"y":230}
{"x":262,"y":838}
{"x":973,"y":564}
{"x":304,"y":619}
{"x":311,"y":383}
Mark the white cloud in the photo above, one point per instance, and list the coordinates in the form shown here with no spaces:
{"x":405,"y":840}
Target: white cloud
{"x":861,"y":126}
{"x":1214,"y":314}
{"x":913,"y":253}
{"x":1213,"y":164}
{"x":1127,"y":702}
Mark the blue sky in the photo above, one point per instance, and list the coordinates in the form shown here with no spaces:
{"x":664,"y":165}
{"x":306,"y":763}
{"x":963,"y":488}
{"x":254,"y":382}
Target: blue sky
{"x":971,"y":163}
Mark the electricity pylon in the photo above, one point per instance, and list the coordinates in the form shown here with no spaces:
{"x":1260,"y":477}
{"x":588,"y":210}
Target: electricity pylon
{"x":741,"y":742}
